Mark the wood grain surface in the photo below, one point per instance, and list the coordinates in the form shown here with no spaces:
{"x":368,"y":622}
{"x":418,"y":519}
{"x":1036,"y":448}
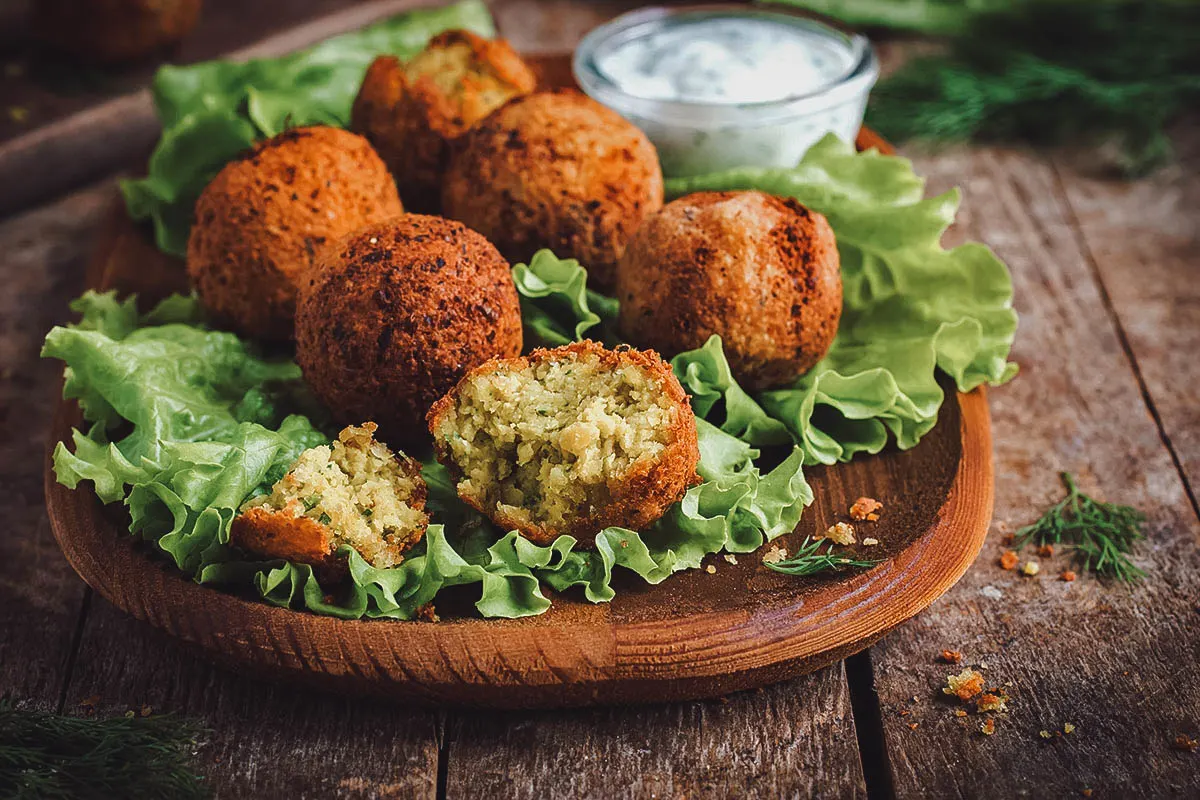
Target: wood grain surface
{"x":790,"y":738}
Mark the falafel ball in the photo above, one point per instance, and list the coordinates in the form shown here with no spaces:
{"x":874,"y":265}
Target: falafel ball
{"x":412,"y":111}
{"x":355,"y":492}
{"x":760,"y":271}
{"x":113,"y":31}
{"x":264,"y":220}
{"x":570,"y":440}
{"x":396,"y":313}
{"x":557,"y":170}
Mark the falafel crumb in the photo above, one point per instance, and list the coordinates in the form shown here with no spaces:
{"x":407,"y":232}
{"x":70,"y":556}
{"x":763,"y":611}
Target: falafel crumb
{"x":543,"y":443}
{"x":731,"y":558}
{"x":1008,"y":561}
{"x":775,"y":555}
{"x":710,"y":569}
{"x":870,"y":541}
{"x":1030,"y":568}
{"x":991,"y":702}
{"x":964,"y":685}
{"x":841,"y":533}
{"x":988,"y":727}
{"x":865,"y":509}
{"x":950,"y":657}
{"x":358,"y":491}
{"x":1068,"y":728}
{"x":1067,"y":575}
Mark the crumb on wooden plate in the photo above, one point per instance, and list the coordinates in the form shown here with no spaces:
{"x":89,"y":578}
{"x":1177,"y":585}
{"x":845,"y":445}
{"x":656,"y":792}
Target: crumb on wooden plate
{"x":1030,"y":569}
{"x":1045,"y":734}
{"x":775,"y":555}
{"x":870,"y":541}
{"x":731,"y":558}
{"x":960,"y":712}
{"x":1046,"y":550}
{"x":426,"y":613}
{"x":988,"y":727}
{"x":1068,"y":727}
{"x":840,"y":533}
{"x":965,"y":684}
{"x":865,"y":509}
{"x":710,"y":569}
{"x":950,"y":656}
{"x":912,"y":726}
{"x":1009,"y":559}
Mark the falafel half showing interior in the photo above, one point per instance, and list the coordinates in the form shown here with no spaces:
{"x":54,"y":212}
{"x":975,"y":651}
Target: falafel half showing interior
{"x":569,"y":441}
{"x":354,"y":492}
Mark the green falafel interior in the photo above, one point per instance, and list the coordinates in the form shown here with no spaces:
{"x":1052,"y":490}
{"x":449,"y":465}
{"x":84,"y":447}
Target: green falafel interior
{"x":212,"y":111}
{"x":211,"y":428}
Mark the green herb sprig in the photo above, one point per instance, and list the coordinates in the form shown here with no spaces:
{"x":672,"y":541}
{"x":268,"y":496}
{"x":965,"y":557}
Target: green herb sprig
{"x":1101,"y":534}
{"x":1054,"y":71}
{"x":809,"y":560}
{"x":55,"y":757}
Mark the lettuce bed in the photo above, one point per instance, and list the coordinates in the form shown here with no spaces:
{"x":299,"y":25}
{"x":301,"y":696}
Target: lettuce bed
{"x":187,"y":422}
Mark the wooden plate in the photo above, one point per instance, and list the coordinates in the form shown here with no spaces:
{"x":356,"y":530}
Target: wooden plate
{"x":695,"y":635}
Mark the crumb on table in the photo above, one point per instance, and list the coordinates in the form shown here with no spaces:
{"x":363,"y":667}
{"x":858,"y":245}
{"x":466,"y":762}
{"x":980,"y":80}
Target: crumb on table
{"x":1009,"y":559}
{"x":775,"y":555}
{"x":841,"y":533}
{"x":950,"y":656}
{"x":1067,"y":575}
{"x":988,"y":727}
{"x":965,"y":684}
{"x":870,"y":541}
{"x":1030,"y":568}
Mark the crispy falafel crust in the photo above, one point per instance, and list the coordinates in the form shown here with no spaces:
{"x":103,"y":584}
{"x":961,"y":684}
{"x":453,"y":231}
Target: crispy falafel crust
{"x":557,"y":170}
{"x":758,"y":270}
{"x":265,"y":218}
{"x":397,"y":313}
{"x":643,"y":494}
{"x":411,"y":119}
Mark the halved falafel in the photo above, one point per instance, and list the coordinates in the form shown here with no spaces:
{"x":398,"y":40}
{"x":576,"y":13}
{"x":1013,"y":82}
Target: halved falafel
{"x":266,"y":217}
{"x":355,"y":492}
{"x":412,"y":111}
{"x":569,"y":440}
{"x":557,"y":170}
{"x":396,"y":313}
{"x":760,"y":271}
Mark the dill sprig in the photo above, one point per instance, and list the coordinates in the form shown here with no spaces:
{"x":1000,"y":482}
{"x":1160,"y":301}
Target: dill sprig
{"x":55,"y":757}
{"x":809,"y":560}
{"x":1054,"y":71}
{"x":1101,"y":534}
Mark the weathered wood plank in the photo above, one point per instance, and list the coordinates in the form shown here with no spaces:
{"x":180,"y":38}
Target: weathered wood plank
{"x":268,"y":740}
{"x":41,"y":263}
{"x":1143,"y":239}
{"x":1105,"y":658}
{"x":795,"y":739}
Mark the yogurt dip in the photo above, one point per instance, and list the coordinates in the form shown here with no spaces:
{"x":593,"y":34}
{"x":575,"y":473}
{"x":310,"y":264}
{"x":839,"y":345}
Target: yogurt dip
{"x":721,"y":87}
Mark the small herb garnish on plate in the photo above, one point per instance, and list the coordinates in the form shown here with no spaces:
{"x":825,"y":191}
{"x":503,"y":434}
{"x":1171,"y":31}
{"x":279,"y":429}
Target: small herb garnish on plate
{"x":809,"y":560}
{"x":1101,"y":534}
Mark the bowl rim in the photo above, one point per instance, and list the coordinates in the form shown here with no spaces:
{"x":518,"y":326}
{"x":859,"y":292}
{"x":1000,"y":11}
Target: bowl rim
{"x":852,"y":84}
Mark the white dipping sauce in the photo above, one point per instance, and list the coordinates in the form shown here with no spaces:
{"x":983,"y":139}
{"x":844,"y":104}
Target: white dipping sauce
{"x":728,"y":88}
{"x":722,"y":61}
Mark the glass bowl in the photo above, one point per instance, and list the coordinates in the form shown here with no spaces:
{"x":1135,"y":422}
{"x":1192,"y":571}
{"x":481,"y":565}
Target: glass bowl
{"x":694,"y":136}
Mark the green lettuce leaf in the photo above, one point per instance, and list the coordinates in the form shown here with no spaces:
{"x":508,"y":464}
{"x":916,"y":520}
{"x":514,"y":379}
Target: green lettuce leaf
{"x":557,"y":308}
{"x":212,"y":111}
{"x":212,"y":422}
{"x":911,"y":307}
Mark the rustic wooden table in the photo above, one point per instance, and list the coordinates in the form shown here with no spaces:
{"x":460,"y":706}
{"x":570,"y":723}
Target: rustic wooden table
{"x":1106,"y":284}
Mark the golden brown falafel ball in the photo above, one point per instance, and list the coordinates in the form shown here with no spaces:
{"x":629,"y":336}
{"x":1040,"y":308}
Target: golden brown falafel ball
{"x":412,"y":111}
{"x":355,"y":492}
{"x":396,"y":313}
{"x":263,"y":221}
{"x":762,"y":272}
{"x":113,"y":31}
{"x":557,"y":170}
{"x":570,"y":440}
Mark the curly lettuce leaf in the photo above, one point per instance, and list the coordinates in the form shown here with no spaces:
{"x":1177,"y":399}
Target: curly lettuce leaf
{"x":212,"y":111}
{"x":911,"y":307}
{"x":212,"y":422}
{"x":557,"y":308}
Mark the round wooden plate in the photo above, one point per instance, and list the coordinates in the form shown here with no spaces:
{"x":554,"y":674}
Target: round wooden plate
{"x":698,"y":634}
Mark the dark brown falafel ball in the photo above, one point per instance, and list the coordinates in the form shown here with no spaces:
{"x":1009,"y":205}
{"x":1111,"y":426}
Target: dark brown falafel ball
{"x":396,"y":313}
{"x":113,"y":31}
{"x":556,"y":170}
{"x":762,"y":272}
{"x":264,"y":220}
{"x":569,"y":441}
{"x":412,"y":111}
